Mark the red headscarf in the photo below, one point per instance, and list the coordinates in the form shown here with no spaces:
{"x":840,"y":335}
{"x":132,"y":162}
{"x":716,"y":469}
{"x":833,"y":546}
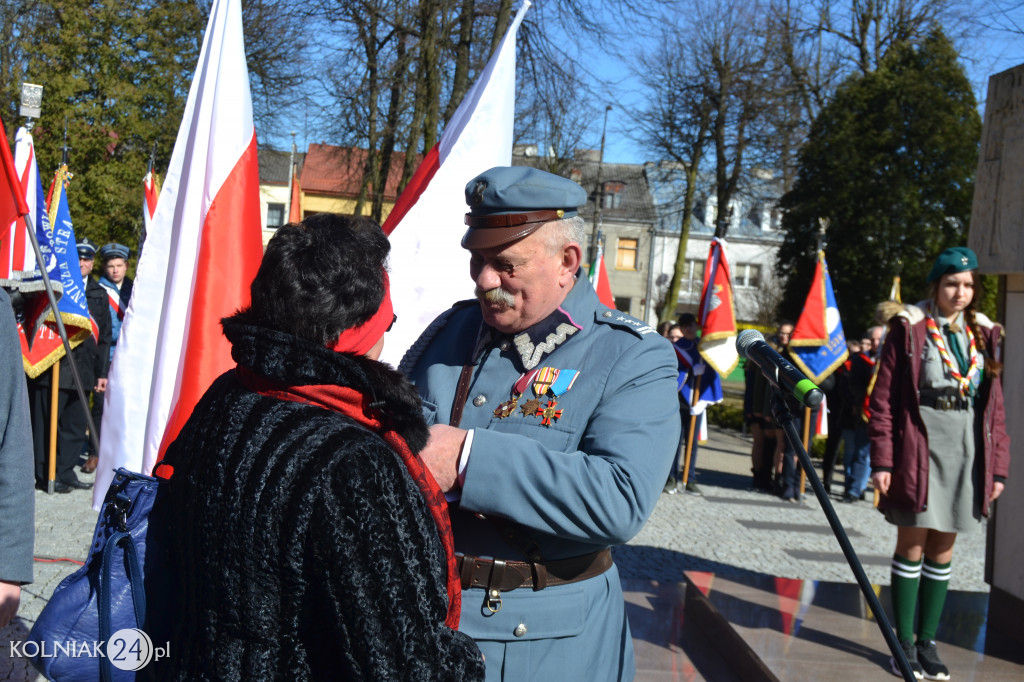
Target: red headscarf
{"x":359,"y":340}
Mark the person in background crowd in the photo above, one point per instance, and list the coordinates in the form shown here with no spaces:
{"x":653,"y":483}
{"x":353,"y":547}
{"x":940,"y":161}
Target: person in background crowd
{"x":555,"y":421}
{"x":856,"y":446}
{"x":118,"y":286}
{"x":663,"y":328}
{"x":17,"y":501}
{"x":307,"y":540}
{"x":90,"y":357}
{"x":93,"y":360}
{"x":940,"y":454}
{"x":676,"y":332}
{"x":691,"y":368}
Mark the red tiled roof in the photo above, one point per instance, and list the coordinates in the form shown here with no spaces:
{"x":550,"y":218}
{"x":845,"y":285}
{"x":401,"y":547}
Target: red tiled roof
{"x":339,"y":170}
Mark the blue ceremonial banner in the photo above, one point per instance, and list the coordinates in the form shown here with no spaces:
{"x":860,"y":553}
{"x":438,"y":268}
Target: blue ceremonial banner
{"x":818,"y":346}
{"x":710,"y":383}
{"x":72,"y":305}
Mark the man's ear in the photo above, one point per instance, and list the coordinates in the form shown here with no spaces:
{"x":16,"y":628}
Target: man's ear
{"x":572,"y":256}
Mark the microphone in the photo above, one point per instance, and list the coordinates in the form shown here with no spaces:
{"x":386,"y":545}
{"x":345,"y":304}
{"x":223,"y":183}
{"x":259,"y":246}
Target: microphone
{"x":751,"y":345}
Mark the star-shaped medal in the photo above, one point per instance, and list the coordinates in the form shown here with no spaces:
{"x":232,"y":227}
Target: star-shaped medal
{"x":550,"y":413}
{"x":531,"y":407}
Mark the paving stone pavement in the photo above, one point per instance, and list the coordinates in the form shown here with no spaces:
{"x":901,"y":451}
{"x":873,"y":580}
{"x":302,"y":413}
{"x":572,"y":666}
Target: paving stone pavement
{"x":732,"y":530}
{"x":729,"y":530}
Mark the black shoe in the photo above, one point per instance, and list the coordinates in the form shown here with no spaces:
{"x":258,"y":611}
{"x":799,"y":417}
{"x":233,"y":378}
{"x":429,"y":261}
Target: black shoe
{"x":850,"y":498}
{"x":691,"y":487}
{"x":671,"y":486}
{"x":76,"y":484}
{"x":928,"y":657}
{"x":58,"y":487}
{"x":911,"y":651}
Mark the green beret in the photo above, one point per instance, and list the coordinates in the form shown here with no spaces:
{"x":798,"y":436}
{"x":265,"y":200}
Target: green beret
{"x":953,"y":260}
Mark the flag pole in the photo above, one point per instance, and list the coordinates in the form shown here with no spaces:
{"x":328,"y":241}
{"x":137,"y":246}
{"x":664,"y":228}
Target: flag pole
{"x":807,"y":447}
{"x":48,"y":285}
{"x":694,"y":398}
{"x":52,"y":460}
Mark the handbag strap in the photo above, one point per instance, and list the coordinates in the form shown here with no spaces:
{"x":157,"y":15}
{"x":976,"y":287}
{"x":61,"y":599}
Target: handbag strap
{"x":134,"y":569}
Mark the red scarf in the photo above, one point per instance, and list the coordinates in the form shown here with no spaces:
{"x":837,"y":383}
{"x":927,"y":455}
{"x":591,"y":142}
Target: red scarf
{"x":355,"y":405}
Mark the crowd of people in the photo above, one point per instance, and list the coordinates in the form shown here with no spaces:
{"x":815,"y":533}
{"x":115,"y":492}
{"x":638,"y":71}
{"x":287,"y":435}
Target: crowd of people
{"x":332,"y":517}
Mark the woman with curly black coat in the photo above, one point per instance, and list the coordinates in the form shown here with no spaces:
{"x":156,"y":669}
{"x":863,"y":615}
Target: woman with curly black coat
{"x":308,"y":541}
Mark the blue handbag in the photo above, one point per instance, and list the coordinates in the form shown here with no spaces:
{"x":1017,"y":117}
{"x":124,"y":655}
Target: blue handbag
{"x":94,"y":626}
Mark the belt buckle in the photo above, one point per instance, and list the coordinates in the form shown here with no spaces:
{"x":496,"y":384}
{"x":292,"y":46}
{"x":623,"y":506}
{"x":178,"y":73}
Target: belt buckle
{"x":946,"y":402}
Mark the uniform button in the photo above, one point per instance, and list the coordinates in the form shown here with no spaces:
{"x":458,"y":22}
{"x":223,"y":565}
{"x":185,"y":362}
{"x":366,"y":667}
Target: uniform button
{"x":607,"y":313}
{"x":480,"y":400}
{"x":520,"y":630}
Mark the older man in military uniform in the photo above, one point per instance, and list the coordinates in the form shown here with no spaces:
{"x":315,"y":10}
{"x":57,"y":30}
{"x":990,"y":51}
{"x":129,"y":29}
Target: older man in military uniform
{"x":555,"y":421}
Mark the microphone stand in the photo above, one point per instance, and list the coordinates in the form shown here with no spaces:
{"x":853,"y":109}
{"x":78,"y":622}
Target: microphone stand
{"x":785,"y":419}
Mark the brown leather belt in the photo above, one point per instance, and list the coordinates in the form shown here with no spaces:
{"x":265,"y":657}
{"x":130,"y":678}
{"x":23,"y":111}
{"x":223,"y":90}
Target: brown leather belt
{"x":502,"y":575}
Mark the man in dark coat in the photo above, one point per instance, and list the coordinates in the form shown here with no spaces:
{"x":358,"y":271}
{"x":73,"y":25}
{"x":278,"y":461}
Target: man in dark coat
{"x":97,"y":350}
{"x":91,"y":360}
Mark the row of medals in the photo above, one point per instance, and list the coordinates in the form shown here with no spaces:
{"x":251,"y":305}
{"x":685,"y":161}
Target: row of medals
{"x":542,"y":388}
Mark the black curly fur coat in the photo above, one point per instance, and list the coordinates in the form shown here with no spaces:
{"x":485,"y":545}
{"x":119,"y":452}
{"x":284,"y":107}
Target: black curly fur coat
{"x":302,"y":547}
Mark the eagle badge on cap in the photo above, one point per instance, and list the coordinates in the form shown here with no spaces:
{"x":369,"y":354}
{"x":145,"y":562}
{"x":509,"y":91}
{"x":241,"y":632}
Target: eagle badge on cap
{"x":478,"y":191}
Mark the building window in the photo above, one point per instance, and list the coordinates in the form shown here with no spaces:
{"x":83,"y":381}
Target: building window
{"x":623,"y":303}
{"x":747,"y":275}
{"x":613,"y":194}
{"x":693,"y":279}
{"x":625,"y":254}
{"x":275,"y":216}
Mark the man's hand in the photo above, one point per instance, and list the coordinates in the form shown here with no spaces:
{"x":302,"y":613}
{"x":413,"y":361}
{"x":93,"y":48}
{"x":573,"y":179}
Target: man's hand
{"x":100,"y":387}
{"x":441,"y":456}
{"x":10,"y":598}
{"x":997,"y":490}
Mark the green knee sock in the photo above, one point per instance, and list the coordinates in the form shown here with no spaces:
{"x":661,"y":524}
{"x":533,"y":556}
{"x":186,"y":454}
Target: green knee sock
{"x":906,"y":575}
{"x":934,"y":584}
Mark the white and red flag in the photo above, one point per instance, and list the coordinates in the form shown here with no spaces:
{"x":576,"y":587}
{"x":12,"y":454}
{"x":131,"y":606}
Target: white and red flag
{"x":14,"y":248}
{"x":599,"y":279}
{"x":150,"y":193}
{"x":717,"y":315}
{"x":200,"y":258}
{"x":295,"y":201}
{"x":429,"y":270}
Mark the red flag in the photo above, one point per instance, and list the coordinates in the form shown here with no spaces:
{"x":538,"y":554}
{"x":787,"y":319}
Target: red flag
{"x":810,"y":329}
{"x":818,"y":344}
{"x":200,"y":258}
{"x":716,"y":315}
{"x":295,"y":210}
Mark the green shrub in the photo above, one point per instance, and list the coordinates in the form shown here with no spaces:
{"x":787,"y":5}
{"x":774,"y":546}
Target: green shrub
{"x":726,"y":416}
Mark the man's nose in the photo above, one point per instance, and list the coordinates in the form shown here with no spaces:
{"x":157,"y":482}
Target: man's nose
{"x":488,"y":278}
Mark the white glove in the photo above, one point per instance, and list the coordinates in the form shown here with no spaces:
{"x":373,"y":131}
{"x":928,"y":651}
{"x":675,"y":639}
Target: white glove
{"x":698,"y":369}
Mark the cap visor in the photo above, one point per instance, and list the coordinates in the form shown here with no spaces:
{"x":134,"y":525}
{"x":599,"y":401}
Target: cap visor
{"x":490,"y":237}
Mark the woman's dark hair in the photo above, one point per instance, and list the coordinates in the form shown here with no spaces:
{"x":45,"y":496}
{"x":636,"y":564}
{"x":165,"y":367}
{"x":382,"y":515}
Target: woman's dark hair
{"x":320,"y":277}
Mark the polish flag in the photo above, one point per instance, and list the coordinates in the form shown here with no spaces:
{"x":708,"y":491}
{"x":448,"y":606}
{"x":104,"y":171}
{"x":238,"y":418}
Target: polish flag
{"x":429,"y":269}
{"x":201,"y":255}
{"x":599,"y":279}
{"x":12,"y":207}
{"x":150,"y":192}
{"x":295,"y":204}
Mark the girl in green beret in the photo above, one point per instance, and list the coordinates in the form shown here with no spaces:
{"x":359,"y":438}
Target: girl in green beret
{"x":939,"y":450}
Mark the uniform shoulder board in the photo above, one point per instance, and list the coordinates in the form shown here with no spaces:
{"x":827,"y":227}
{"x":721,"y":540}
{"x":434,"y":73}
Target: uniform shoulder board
{"x":412,"y":356}
{"x":620,"y":320}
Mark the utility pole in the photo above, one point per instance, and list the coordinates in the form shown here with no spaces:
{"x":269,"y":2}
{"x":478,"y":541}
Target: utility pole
{"x":599,"y":200}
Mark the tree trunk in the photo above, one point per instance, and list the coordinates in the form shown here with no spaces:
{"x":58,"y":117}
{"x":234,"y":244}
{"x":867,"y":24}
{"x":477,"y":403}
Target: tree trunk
{"x":460,"y":82}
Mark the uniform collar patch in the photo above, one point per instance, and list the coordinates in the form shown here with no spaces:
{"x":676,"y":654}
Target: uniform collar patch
{"x":540,"y":340}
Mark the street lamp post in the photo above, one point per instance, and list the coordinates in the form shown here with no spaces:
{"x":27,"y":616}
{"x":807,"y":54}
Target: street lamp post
{"x":596,"y":235}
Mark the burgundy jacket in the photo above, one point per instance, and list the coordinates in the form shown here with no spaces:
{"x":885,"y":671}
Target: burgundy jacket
{"x":899,"y":443}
